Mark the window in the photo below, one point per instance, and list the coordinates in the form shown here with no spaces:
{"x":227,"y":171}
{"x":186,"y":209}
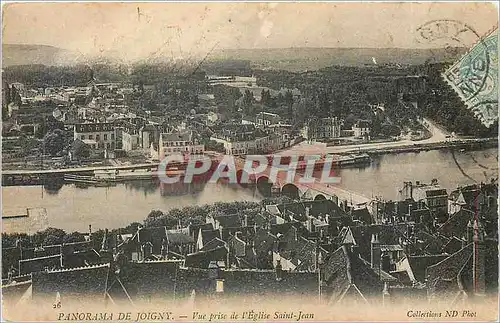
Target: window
{"x":98,"y":137}
{"x":82,"y":137}
{"x":91,"y":137}
{"x":112,"y":136}
{"x":105,"y":136}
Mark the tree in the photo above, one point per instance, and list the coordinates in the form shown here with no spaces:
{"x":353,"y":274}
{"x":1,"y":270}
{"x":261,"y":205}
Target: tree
{"x":154,"y":218}
{"x":28,"y":144}
{"x":53,"y":142}
{"x":132,"y":227}
{"x":49,"y":236}
{"x":81,"y":151}
{"x":248,"y":101}
{"x":288,"y":99}
{"x":73,"y":237}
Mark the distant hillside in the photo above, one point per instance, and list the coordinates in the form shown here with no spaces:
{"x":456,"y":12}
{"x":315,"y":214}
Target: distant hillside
{"x":292,"y":59}
{"x":17,"y":54}
{"x":300,"y":59}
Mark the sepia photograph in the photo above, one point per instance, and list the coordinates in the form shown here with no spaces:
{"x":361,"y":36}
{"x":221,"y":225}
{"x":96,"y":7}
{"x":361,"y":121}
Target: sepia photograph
{"x":249,"y":161}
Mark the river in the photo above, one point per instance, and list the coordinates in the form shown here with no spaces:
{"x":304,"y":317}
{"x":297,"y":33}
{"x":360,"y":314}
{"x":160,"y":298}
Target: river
{"x":73,"y":208}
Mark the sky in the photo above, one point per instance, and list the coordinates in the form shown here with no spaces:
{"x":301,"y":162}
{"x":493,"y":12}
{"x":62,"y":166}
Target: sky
{"x":135,"y":30}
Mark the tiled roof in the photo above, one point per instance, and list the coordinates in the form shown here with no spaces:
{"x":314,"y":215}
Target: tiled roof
{"x":149,"y":279}
{"x":74,"y":285}
{"x":402,"y":277}
{"x":382,"y":275}
{"x":387,"y":235}
{"x":195,"y":229}
{"x":246,"y":233}
{"x":285,"y":227}
{"x":228,"y":221}
{"x":81,"y":258}
{"x":301,"y":252}
{"x":179,"y":238}
{"x":264,"y":242}
{"x":214,"y":243}
{"x":443,"y":278}
{"x":457,"y":224}
{"x":431,"y":243}
{"x":209,"y":235}
{"x":202,"y":259}
{"x":452,"y":246}
{"x":253,"y":285}
{"x":362,"y":215}
{"x":250,"y":259}
{"x":420,"y":263}
{"x":154,"y":235}
{"x":28,"y":266}
{"x":177,"y":136}
{"x":342,"y":269}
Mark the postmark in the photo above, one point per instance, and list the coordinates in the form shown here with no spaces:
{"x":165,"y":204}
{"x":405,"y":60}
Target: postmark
{"x":447,"y":34}
{"x":475,"y":78}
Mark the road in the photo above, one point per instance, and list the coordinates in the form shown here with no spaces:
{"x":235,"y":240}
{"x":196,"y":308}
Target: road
{"x":77,"y":169}
{"x":438,"y":136}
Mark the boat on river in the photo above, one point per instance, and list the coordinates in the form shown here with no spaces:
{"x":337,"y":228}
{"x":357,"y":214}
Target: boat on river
{"x":110,"y":177}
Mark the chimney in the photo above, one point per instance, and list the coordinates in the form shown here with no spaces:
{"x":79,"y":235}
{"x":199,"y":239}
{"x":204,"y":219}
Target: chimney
{"x":375,"y":251}
{"x":245,"y":221}
{"x":478,"y":267}
{"x":90,"y":232}
{"x":105,"y":243}
{"x":279,"y":270}
{"x":470,"y":232}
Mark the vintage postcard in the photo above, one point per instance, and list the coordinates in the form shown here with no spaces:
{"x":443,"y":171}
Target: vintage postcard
{"x":249,"y":161}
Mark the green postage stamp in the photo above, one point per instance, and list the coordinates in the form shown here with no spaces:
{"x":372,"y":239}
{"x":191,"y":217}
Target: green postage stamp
{"x":475,"y":78}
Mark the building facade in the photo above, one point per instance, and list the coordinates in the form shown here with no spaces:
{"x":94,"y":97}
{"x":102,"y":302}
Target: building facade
{"x":361,"y":128}
{"x":322,"y":128}
{"x":267,"y":119}
{"x":102,"y":133}
{"x":179,"y":143}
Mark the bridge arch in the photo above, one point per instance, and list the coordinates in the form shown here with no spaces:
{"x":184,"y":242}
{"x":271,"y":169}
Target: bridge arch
{"x":264,"y":186}
{"x":290,"y":190}
{"x":320,"y":197}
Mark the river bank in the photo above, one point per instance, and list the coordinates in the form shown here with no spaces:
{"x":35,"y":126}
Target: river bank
{"x":73,"y":207}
